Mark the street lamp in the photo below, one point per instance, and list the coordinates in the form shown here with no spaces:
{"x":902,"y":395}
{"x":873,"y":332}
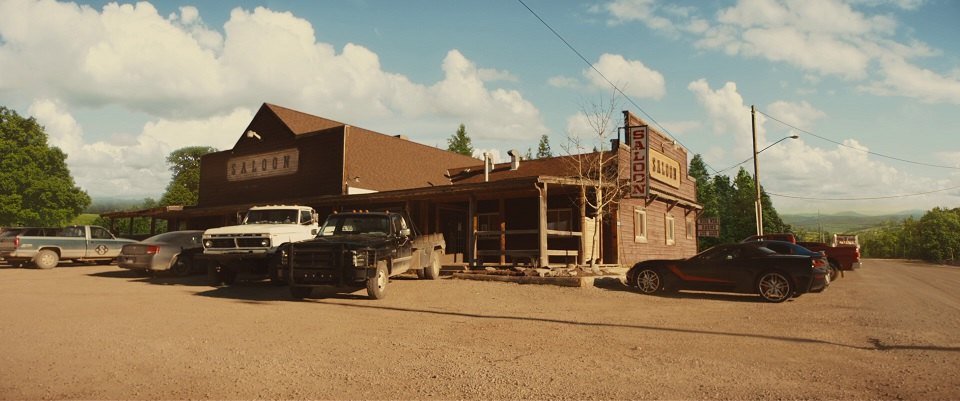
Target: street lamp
{"x":757,"y":204}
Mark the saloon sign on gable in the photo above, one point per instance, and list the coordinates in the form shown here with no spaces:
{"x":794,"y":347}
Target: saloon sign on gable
{"x":271,"y":164}
{"x":664,"y":169}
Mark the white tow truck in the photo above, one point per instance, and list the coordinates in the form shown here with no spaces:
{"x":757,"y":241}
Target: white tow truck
{"x":250,"y":247}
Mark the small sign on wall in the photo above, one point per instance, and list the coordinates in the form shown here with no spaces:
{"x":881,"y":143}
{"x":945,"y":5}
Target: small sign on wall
{"x":708,"y":227}
{"x":263,"y":165}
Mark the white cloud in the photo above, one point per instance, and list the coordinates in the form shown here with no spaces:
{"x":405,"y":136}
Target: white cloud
{"x":793,"y":167}
{"x":135,"y":168}
{"x":725,"y":107}
{"x":184,"y":77}
{"x":822,"y":38}
{"x":564,"y":82}
{"x":682,"y":127}
{"x":631,"y":76}
{"x":904,"y":79}
{"x":663,"y":17}
{"x":491,"y":74}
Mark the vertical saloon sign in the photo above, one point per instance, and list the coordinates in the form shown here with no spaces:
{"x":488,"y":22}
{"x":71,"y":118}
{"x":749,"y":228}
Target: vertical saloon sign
{"x":281,"y":162}
{"x":639,"y":160}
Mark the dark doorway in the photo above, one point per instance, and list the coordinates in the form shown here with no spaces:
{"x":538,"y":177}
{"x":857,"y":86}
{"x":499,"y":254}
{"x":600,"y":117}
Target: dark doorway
{"x":454,"y":224}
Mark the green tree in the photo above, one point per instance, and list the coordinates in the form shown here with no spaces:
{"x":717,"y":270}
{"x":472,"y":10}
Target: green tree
{"x":772,"y":223}
{"x":36,"y":187}
{"x":723,"y":189}
{"x":543,"y":149}
{"x":184,"y":185}
{"x":939,"y":235}
{"x":744,"y":221}
{"x":138,"y":227}
{"x":460,"y":142}
{"x":706,"y":196}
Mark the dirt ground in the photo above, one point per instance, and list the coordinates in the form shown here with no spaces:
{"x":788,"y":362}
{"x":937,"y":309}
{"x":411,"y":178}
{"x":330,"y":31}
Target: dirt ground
{"x":887,"y":331}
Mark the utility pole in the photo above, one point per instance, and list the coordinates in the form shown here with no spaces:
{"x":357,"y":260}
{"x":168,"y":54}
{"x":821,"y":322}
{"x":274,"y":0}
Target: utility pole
{"x":758,"y":207}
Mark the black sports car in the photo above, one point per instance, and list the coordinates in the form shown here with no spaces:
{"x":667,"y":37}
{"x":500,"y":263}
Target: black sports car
{"x":789,"y":248}
{"x":744,"y":268}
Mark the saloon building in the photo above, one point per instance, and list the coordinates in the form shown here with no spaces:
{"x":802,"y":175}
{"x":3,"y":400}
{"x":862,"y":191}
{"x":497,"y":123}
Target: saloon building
{"x":533,"y":212}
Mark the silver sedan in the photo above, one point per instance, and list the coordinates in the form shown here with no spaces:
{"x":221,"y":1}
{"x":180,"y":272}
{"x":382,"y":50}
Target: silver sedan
{"x":172,"y":252}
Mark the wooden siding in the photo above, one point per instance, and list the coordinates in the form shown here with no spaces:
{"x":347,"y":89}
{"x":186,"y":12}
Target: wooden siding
{"x":655,"y":246}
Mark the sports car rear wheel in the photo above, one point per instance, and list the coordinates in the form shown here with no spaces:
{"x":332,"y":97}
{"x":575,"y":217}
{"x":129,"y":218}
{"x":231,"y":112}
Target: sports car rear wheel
{"x":774,"y":287}
{"x":649,"y":281}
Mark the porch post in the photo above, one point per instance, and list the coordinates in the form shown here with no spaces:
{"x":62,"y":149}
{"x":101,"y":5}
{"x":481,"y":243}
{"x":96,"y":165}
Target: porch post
{"x":503,"y":232}
{"x":542,"y":227}
{"x":583,"y":222}
{"x":471,"y":248}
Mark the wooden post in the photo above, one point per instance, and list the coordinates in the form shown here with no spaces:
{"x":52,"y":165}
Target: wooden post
{"x":542,"y":227}
{"x":503,"y":232}
{"x":583,"y":223}
{"x":471,"y":248}
{"x":153,"y":225}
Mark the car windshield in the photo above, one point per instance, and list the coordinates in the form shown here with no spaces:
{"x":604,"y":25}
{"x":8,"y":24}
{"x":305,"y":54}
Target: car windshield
{"x":272,"y":217}
{"x":354,"y":224}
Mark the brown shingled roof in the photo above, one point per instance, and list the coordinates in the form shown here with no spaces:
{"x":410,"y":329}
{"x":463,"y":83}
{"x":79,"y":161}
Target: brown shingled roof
{"x":300,"y":122}
{"x":560,"y":166}
{"x":386,"y":163}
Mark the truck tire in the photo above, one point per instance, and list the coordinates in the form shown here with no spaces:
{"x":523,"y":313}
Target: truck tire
{"x":46,"y":259}
{"x":377,"y":284}
{"x":181,"y":266}
{"x":432,"y":272}
{"x":274,"y":272}
{"x":300,"y":292}
{"x":221,"y":275}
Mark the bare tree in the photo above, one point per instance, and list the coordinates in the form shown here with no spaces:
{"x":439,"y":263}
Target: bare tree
{"x":597,"y":172}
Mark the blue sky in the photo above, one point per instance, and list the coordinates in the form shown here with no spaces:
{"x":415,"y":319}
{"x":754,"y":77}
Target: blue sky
{"x":120,"y":85}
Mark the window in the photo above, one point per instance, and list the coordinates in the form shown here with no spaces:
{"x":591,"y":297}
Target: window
{"x":691,"y":227}
{"x":670,"y":229}
{"x":100,"y":233}
{"x":305,"y":217}
{"x":639,"y":225}
{"x":559,"y":219}
{"x":488,"y":221}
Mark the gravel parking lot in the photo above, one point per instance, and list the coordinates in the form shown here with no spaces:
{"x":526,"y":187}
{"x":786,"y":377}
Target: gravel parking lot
{"x":886,"y":331}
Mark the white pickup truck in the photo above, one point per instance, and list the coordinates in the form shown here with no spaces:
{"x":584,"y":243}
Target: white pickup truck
{"x":250,"y":247}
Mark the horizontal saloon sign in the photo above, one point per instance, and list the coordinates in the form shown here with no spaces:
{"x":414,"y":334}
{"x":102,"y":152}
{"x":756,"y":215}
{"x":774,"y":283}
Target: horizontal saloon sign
{"x":262,"y":165}
{"x":664,"y":169}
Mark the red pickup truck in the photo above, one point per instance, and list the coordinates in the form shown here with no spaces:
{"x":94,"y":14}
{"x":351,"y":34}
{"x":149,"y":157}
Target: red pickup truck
{"x":843,"y":255}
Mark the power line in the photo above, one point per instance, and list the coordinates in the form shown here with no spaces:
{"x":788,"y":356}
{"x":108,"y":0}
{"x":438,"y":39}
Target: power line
{"x":615,"y":87}
{"x":864,"y":198}
{"x":851,"y":147}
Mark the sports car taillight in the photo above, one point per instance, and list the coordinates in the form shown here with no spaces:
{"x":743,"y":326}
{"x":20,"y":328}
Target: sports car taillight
{"x":819,"y":263}
{"x":152,"y":249}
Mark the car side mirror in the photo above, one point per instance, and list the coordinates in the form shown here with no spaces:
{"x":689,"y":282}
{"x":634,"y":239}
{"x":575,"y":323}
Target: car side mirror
{"x":405,"y":232}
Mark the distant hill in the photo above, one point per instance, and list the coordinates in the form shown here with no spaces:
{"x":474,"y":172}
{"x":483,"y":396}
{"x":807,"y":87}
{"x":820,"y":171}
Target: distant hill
{"x":844,"y":222}
{"x":113,"y":204}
